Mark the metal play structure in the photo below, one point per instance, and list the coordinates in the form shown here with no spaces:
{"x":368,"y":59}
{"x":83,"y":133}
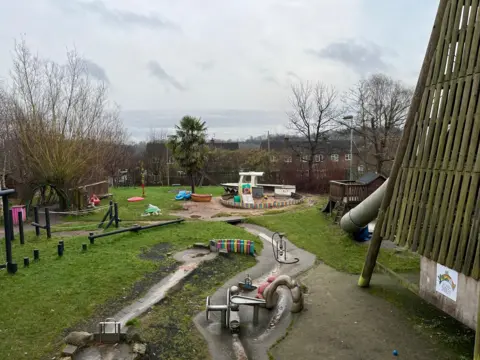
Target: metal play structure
{"x":279,"y":248}
{"x":10,"y":264}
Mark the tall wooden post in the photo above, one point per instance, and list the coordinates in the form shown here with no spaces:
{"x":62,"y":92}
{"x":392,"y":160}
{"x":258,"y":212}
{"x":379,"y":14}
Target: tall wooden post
{"x":376,"y":242}
{"x":476,"y":352}
{"x":143,"y":178}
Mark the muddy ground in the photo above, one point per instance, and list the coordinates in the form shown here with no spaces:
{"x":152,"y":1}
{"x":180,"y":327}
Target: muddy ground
{"x":166,"y":266}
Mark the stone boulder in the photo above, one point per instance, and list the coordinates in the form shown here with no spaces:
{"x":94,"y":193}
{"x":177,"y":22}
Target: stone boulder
{"x":79,"y":338}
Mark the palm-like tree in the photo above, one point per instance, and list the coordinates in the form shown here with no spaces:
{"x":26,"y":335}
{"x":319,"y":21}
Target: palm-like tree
{"x":188,"y":146}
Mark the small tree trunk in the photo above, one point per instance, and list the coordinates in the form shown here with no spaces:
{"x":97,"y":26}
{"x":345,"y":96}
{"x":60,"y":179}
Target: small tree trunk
{"x":310,"y":174}
{"x":192,"y":181}
{"x":379,"y":166}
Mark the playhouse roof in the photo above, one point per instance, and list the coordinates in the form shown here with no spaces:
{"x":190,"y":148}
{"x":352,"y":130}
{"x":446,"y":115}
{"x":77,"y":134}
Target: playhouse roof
{"x":370,"y":177}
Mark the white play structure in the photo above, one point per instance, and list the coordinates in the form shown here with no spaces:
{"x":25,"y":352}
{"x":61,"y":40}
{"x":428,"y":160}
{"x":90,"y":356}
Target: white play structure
{"x":250,"y":179}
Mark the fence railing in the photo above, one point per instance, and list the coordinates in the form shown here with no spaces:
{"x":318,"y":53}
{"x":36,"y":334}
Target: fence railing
{"x":348,"y":191}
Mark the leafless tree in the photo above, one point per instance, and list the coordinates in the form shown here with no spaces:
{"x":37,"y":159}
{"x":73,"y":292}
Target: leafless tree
{"x":157,"y":135}
{"x":5,"y":133}
{"x":63,"y":126}
{"x":314,"y":114}
{"x":379,"y":105}
{"x":156,"y":154}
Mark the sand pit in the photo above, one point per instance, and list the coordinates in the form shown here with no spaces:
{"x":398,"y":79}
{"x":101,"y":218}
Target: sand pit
{"x":214,"y":209}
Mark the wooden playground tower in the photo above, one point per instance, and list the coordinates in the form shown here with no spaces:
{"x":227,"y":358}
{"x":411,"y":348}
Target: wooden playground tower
{"x":432,"y":201}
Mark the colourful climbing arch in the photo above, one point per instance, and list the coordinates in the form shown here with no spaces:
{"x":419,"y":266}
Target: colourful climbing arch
{"x":236,"y":246}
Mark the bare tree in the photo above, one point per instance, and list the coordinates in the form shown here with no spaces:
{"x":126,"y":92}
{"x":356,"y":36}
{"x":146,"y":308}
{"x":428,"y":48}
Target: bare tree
{"x":4,"y":136}
{"x":380,"y":105}
{"x":63,"y":126}
{"x":156,"y":154}
{"x":315,"y":113}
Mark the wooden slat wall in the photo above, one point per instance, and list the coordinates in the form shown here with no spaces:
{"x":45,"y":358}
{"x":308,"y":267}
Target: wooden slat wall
{"x":435,"y":209}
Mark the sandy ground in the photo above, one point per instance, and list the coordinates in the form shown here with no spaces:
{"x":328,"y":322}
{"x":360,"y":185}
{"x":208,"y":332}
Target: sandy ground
{"x":214,"y":208}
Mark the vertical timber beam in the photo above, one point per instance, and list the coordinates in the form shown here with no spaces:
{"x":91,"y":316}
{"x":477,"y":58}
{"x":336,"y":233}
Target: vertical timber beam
{"x":476,"y":352}
{"x":376,"y":242}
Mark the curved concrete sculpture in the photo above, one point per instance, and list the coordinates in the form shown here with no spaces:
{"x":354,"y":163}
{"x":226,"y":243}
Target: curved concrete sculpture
{"x":365,"y":212}
{"x":271,"y":297}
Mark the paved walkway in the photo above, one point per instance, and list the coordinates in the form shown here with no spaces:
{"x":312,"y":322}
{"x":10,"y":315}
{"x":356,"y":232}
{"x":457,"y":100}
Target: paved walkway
{"x":255,"y":340}
{"x":344,"y":322}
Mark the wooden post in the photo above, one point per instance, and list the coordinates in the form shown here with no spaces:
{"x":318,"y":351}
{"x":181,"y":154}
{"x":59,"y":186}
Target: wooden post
{"x":476,"y":352}
{"x":376,"y":242}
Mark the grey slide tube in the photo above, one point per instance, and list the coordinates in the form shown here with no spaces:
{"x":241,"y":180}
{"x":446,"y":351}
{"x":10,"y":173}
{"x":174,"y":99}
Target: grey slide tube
{"x":365,"y":212}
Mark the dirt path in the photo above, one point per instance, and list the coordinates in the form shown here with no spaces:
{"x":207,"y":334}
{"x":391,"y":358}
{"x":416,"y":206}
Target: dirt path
{"x":343,"y":321}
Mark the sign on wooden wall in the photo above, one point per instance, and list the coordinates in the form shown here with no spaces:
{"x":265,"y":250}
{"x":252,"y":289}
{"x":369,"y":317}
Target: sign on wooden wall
{"x":447,"y":282}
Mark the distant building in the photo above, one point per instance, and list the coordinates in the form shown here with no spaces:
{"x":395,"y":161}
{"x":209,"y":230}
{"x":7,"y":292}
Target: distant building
{"x":329,"y":153}
{"x":224,"y":145}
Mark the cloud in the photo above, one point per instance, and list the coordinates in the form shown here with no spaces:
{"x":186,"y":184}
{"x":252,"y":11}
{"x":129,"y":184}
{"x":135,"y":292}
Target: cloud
{"x":291,"y":74}
{"x":271,"y":79}
{"x":267,"y":76}
{"x":361,"y":57}
{"x":206,"y":65}
{"x":114,"y":16}
{"x":156,"y":70}
{"x":97,"y":71}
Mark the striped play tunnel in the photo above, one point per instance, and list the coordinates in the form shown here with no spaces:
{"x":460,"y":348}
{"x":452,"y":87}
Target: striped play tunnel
{"x":236,"y":246}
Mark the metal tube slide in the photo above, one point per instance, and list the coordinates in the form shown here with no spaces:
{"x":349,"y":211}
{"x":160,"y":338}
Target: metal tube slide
{"x":365,"y":212}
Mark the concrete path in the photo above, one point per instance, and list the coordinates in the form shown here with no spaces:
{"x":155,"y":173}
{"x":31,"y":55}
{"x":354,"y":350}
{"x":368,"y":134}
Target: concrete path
{"x":191,"y":260}
{"x":344,"y":322}
{"x":255,"y":340}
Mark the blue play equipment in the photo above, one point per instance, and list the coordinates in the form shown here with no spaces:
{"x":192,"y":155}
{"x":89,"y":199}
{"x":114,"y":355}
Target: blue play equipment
{"x":183,"y":195}
{"x":362,"y":235}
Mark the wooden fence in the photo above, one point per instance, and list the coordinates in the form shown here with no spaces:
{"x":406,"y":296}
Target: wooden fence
{"x":319,"y":183}
{"x":435,"y":208}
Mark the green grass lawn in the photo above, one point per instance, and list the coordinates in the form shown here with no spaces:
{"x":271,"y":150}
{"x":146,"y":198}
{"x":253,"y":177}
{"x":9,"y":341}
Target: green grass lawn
{"x":161,"y":196}
{"x":313,"y":231}
{"x":41,"y":301}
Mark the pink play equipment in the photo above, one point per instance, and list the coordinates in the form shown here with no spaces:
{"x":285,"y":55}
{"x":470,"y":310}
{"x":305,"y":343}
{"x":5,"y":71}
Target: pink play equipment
{"x":94,"y":200}
{"x":17,"y":209}
{"x":263,"y":286}
{"x":135,"y":199}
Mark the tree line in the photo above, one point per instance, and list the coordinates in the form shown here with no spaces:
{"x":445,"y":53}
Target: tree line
{"x":374,"y":111}
{"x":57,"y":125}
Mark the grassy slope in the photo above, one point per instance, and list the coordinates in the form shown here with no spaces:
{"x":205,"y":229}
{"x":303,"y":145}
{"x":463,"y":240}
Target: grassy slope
{"x":163,"y":197}
{"x":312,"y":231}
{"x":54,"y":294}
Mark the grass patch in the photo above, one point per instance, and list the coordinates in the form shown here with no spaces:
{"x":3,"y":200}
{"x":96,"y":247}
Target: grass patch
{"x":133,"y":322}
{"x":161,"y":196}
{"x":312,"y":231}
{"x":57,"y":293}
{"x":444,"y":330}
{"x":169,"y":327}
{"x":277,"y":211}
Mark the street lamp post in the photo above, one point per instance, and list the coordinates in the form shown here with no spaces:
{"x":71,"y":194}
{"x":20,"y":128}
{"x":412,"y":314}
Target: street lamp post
{"x":350,"y":117}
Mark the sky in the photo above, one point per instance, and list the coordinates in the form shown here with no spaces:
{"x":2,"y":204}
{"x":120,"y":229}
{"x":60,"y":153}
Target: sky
{"x":229,"y":62}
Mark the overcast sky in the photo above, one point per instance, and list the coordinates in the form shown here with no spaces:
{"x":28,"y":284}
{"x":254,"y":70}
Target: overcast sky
{"x":230,"y":62}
